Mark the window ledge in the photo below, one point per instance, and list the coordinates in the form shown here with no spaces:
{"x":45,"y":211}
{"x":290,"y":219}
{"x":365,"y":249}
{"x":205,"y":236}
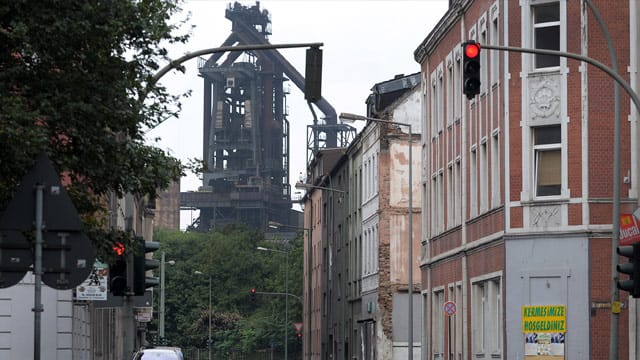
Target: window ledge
{"x":545,"y":71}
{"x":549,"y":200}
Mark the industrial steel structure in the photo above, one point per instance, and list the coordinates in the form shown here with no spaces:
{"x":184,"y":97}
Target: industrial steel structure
{"x":246,"y":130}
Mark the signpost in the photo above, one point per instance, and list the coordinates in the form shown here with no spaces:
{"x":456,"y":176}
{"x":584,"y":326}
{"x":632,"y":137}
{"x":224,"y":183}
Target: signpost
{"x":449,"y":309}
{"x":62,"y":255}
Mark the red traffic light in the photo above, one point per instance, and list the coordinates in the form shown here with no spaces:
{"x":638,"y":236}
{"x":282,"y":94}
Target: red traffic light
{"x":253,"y":291}
{"x":472,"y":50}
{"x":118,"y":248}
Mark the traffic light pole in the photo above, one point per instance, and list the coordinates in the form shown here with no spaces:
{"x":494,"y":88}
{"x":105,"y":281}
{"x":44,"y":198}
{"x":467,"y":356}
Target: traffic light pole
{"x":37,"y":272}
{"x":627,"y":88}
{"x":615,"y":222}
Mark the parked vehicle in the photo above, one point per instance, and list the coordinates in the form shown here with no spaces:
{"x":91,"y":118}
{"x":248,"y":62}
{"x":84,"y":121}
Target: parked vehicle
{"x":159,"y":353}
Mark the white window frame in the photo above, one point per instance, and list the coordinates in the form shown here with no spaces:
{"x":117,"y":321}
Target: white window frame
{"x":473,"y":181}
{"x":495,"y":168}
{"x":434,"y":105}
{"x":450,"y":196}
{"x":494,"y":37}
{"x":441,"y":225}
{"x":440,"y":104}
{"x":484,"y":68}
{"x":437,"y":340}
{"x":457,"y":83}
{"x":483,"y":177}
{"x":487,"y":315}
{"x":450,"y":90}
{"x":434,"y":204}
{"x":541,"y":25}
{"x":537,"y":150}
{"x":458,"y":191}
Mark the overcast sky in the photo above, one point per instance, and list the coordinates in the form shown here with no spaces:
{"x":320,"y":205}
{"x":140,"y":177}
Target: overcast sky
{"x":365,"y":42}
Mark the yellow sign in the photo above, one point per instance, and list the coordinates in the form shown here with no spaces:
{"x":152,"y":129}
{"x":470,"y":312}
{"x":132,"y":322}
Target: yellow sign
{"x":544,"y":318}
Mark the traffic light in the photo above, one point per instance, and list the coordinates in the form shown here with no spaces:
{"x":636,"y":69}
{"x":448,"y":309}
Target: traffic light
{"x":471,"y":69}
{"x":631,"y":268}
{"x":141,"y":265}
{"x":253,"y":295}
{"x":118,"y":271}
{"x":313,"y":75}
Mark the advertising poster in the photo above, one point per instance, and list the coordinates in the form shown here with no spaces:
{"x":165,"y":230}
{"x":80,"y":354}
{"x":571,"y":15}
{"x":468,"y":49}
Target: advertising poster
{"x":95,"y":286}
{"x":544,"y":328}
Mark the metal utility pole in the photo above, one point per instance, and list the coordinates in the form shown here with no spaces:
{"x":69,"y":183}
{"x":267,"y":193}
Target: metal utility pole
{"x":161,"y":306}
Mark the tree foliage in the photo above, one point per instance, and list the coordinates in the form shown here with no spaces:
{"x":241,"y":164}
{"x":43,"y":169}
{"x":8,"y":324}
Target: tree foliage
{"x":72,"y":77}
{"x":229,"y":257}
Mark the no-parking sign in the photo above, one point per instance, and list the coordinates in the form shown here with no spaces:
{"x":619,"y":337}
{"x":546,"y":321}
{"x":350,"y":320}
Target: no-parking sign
{"x":449,"y":308}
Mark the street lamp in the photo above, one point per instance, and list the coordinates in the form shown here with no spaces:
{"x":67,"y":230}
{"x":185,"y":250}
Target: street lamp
{"x":346,"y":117}
{"x":162,"y":292}
{"x":304,"y":186}
{"x":209,"y":340}
{"x":286,"y":296}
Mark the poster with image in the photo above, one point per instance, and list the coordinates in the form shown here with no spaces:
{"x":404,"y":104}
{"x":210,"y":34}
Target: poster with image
{"x":544,"y":329}
{"x":95,"y":286}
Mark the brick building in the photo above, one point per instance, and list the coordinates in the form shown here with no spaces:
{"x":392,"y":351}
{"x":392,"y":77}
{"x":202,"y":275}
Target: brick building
{"x":356,"y":258}
{"x":518,"y":181}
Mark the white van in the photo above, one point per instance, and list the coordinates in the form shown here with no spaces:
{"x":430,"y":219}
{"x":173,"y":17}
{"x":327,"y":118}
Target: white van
{"x":159,"y":353}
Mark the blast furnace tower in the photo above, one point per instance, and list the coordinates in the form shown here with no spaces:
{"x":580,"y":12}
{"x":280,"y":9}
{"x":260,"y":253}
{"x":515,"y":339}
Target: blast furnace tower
{"x":246,"y":130}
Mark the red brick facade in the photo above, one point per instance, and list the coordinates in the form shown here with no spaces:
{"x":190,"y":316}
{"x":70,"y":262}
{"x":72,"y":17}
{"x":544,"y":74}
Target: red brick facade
{"x":507,"y":249}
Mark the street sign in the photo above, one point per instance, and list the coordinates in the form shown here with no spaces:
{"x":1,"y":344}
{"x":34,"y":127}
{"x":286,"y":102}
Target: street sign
{"x":298,"y":326}
{"x":67,"y":259}
{"x":15,"y":257}
{"x":58,"y":212}
{"x":449,"y":308}
{"x":67,"y":253}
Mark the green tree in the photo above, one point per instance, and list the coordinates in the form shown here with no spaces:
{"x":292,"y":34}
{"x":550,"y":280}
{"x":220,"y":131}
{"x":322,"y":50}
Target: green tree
{"x":230,"y":257}
{"x":72,"y":77}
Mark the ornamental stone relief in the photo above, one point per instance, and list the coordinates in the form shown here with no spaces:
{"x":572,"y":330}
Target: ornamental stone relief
{"x":545,"y":216}
{"x":544,"y":98}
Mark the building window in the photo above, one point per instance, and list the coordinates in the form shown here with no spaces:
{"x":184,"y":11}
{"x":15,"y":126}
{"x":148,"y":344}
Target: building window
{"x":434,"y":206}
{"x":478,"y":317}
{"x":495,"y":170}
{"x":440,"y":103}
{"x":441,"y":201}
{"x":547,"y":156}
{"x":484,"y":177}
{"x":457,"y":91}
{"x":438,"y":324}
{"x":450,"y":89}
{"x":546,"y":33}
{"x":375,"y":175}
{"x":473,"y":178}
{"x":376,"y":244}
{"x":495,"y":38}
{"x":486,"y":317}
{"x":496,"y":315}
{"x":457,"y":193}
{"x":458,"y":323}
{"x":434,"y":106}
{"x":450,"y":204}
{"x":484,"y":70}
